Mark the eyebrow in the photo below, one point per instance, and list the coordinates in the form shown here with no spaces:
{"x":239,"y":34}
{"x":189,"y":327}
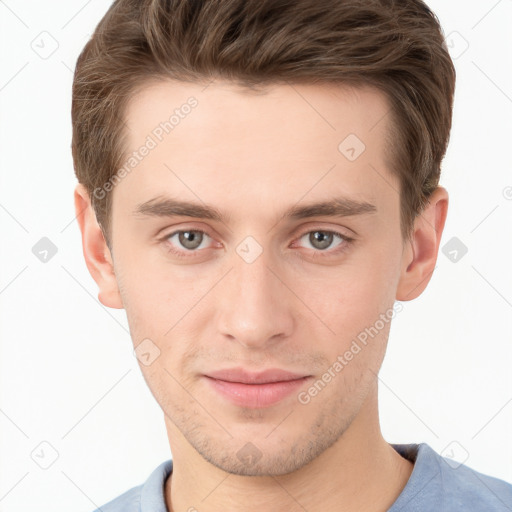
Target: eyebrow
{"x":169,"y":207}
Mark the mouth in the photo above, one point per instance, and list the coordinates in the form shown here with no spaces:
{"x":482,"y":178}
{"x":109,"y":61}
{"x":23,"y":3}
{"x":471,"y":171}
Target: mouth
{"x":255,"y":390}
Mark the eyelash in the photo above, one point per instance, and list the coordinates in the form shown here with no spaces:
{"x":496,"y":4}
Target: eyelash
{"x":343,"y":246}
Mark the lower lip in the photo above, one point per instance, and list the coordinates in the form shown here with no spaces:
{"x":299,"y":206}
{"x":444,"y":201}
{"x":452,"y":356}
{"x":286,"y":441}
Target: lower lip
{"x":256,"y":395}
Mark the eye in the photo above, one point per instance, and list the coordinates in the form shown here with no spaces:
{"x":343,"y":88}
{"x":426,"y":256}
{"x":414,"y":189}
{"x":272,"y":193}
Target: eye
{"x":190,"y":239}
{"x":320,"y":240}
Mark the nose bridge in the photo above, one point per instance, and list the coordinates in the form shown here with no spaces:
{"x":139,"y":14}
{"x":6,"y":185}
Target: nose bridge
{"x":255,"y":307}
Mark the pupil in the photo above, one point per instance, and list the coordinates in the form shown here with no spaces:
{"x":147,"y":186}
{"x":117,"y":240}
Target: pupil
{"x":320,"y":239}
{"x":188,"y":239}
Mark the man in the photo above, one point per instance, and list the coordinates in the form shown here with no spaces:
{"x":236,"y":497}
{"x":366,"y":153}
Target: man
{"x":258,"y":188}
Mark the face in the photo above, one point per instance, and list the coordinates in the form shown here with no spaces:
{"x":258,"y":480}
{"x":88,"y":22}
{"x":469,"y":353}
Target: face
{"x":233,"y":282}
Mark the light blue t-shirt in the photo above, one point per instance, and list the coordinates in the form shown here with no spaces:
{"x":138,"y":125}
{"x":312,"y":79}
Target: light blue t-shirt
{"x":436,"y":484}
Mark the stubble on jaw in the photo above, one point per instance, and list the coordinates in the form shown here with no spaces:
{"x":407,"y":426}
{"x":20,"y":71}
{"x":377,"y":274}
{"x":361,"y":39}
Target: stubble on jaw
{"x":326,"y":431}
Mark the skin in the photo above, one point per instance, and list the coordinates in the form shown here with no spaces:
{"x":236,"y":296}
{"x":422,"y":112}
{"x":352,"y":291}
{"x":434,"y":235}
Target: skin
{"x":296,"y":307}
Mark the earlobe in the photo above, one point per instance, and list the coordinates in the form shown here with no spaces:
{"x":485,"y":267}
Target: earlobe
{"x":95,"y":250}
{"x":420,"y":255}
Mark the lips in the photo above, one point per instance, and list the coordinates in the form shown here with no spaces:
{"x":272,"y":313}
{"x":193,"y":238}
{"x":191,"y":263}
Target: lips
{"x":255,"y":390}
{"x":245,"y":377}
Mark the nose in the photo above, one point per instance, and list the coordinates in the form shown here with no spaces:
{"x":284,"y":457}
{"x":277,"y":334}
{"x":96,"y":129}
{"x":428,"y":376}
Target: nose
{"x":255,"y":307}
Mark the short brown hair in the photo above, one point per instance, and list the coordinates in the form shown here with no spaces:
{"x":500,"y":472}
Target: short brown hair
{"x":395,"y":46}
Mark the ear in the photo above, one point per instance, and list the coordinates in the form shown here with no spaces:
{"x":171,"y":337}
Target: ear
{"x":97,"y":255}
{"x":420,"y":253}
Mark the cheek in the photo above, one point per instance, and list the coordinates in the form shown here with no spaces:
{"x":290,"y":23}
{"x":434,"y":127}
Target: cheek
{"x":356,"y":303}
{"x":155,"y":296}
{"x":164,"y":310}
{"x":351,"y":296}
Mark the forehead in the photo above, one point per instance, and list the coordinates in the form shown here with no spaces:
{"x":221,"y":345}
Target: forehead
{"x":323,"y":110}
{"x":289,"y":140}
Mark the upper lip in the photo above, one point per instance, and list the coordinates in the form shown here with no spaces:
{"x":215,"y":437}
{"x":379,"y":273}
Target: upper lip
{"x":247,"y":377}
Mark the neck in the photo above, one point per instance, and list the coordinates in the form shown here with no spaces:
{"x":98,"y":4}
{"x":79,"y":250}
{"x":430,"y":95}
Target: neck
{"x":360,"y":471}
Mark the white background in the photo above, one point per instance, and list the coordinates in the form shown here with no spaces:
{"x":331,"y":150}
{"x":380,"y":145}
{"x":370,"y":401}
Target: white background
{"x":68,"y":374}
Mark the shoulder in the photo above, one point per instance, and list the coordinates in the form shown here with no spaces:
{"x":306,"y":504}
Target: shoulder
{"x":465,"y":487}
{"x":146,"y":497}
{"x":440,"y":483}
